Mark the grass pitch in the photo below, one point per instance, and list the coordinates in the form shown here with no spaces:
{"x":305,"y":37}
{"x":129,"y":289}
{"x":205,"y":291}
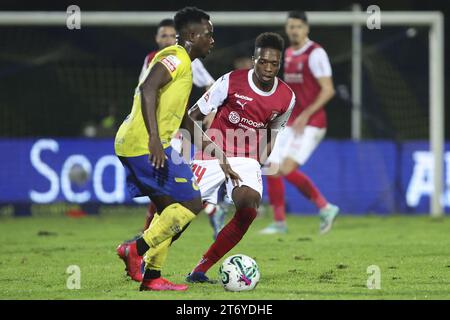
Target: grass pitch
{"x":412,"y":253}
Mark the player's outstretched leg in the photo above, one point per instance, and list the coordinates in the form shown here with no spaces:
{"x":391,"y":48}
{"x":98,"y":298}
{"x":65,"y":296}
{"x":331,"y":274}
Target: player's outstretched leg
{"x":124,"y":249}
{"x":171,"y":221}
{"x":246,"y":201}
{"x":156,"y":257}
{"x":275,"y":189}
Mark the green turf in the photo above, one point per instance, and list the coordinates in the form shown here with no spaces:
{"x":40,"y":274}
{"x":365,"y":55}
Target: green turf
{"x":411,"y":252}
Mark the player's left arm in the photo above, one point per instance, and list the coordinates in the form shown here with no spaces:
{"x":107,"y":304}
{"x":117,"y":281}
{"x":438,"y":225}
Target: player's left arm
{"x":321,"y":68}
{"x":206,"y":105}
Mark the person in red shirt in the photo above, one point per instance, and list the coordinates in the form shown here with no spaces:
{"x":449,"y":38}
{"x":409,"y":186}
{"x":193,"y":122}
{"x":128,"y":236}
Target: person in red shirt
{"x":308,"y":72}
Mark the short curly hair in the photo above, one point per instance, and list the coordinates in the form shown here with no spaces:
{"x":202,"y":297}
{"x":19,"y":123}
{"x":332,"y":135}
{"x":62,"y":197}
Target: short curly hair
{"x":269,"y":40}
{"x":189,"y":15}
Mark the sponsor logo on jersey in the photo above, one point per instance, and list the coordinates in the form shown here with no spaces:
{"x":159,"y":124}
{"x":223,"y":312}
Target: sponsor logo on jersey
{"x":235,"y":118}
{"x":240,"y":96}
{"x":171,"y":62}
{"x":252,"y":123}
{"x":242,"y":104}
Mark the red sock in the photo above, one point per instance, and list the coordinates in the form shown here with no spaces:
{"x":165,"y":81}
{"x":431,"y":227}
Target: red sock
{"x":275,"y":189}
{"x":150,"y":213}
{"x":307,"y":187}
{"x":227,"y":238}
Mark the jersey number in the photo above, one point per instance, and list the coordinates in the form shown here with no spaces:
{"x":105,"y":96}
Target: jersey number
{"x":198,"y":171}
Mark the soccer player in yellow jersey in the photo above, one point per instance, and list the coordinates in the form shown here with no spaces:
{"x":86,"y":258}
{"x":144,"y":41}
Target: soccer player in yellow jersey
{"x":143,"y":144}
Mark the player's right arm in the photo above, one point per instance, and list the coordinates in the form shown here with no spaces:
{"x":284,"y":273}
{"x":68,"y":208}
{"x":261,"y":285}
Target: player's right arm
{"x":206,"y":106}
{"x":158,"y":77}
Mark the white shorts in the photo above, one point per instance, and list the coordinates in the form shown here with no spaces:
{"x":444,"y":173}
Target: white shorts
{"x":177,"y":143}
{"x":210,"y":176}
{"x":297,"y":147}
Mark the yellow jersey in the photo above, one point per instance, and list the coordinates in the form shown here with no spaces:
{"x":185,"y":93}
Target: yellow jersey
{"x":132,"y":137}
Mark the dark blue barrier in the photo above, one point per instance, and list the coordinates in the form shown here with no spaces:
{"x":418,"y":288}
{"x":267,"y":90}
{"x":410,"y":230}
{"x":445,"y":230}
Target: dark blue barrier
{"x":365,"y":177}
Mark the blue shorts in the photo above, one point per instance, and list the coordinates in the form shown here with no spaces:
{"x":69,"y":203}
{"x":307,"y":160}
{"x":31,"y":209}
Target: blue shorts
{"x":175,"y":180}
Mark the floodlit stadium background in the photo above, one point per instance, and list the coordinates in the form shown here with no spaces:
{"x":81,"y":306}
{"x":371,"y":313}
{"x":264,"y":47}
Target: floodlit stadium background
{"x":64,"y":93}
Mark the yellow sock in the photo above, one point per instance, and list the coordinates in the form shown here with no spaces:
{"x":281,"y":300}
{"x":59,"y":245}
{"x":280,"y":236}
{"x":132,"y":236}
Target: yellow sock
{"x":155,"y":257}
{"x":170,"y":222}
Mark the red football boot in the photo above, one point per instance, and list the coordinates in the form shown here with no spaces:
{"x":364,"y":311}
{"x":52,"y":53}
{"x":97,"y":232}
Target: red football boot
{"x":133,"y":262}
{"x":161,"y":284}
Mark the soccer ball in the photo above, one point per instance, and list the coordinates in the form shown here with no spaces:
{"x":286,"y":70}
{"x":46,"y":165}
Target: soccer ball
{"x":239,"y":273}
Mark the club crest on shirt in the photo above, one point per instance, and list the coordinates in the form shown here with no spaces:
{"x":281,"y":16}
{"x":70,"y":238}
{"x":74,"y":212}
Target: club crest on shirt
{"x":234,"y":117}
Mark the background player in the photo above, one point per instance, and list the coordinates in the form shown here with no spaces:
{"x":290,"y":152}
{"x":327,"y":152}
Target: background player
{"x":307,"y":71}
{"x":247,"y":102}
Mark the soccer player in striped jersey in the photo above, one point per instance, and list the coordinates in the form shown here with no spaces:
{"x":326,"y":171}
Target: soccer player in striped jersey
{"x":252,"y":106}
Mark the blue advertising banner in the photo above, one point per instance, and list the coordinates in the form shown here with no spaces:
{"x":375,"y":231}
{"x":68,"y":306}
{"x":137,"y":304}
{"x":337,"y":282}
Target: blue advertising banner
{"x":358,"y":177}
{"x":416,"y":177}
{"x":365,"y":177}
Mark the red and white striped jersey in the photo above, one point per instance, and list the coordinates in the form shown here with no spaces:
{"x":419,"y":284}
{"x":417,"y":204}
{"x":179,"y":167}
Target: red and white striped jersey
{"x":302,"y":67}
